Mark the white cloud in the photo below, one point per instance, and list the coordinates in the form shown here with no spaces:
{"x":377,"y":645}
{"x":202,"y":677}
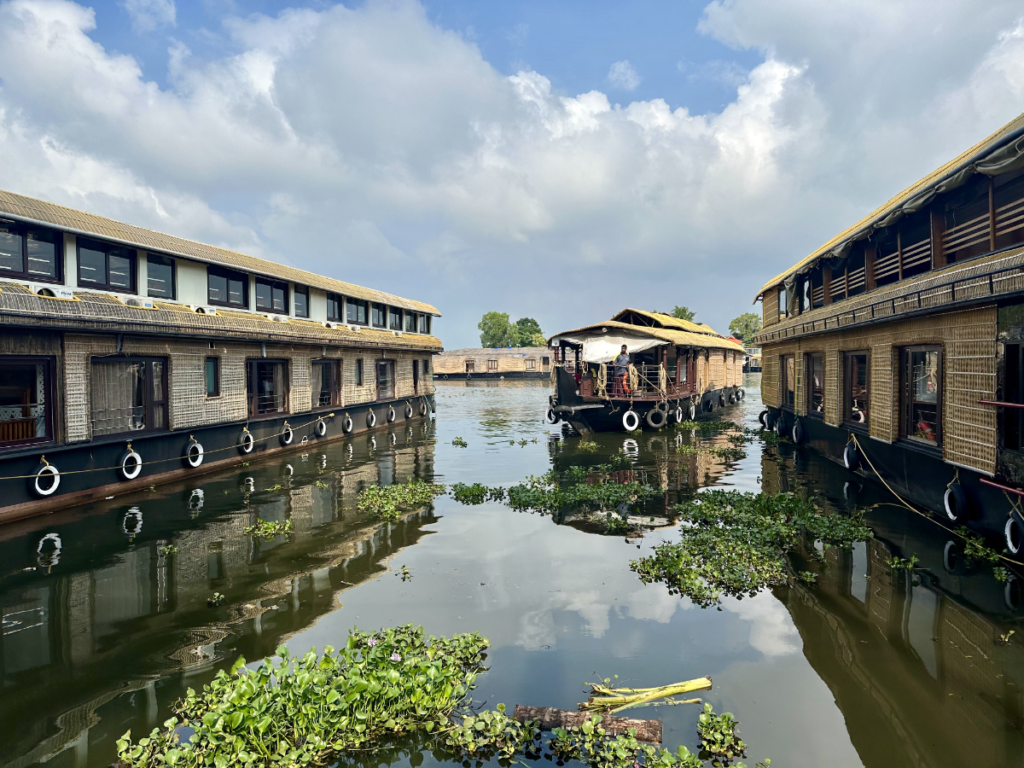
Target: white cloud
{"x":375,"y":146}
{"x":623,"y":75}
{"x":147,"y":15}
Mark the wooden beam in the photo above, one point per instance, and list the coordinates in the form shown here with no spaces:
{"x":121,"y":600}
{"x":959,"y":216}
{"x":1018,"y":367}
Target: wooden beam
{"x":899,"y":253}
{"x":548,"y":717}
{"x":870,"y":252}
{"x":938,"y":228}
{"x":991,"y":213}
{"x":826,"y":282}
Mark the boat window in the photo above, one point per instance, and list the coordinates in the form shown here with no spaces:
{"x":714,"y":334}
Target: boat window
{"x":817,"y":288}
{"x":1008,"y":198}
{"x":380,"y":319}
{"x":531,"y":364}
{"x":31,"y":253}
{"x":359,"y":372}
{"x":787,"y":374}
{"x":326,"y":383}
{"x":545,"y":363}
{"x":922,"y":390}
{"x":415,"y":377}
{"x":426,"y":367}
{"x":424,"y":323}
{"x":356,"y":311}
{"x":967,"y":222}
{"x":782,"y":304}
{"x":333,"y":307}
{"x":470,"y":366}
{"x":212,"y":376}
{"x":266,"y":385}
{"x":816,"y":384}
{"x":1013,"y":392}
{"x":159,"y":277}
{"x":26,"y":412}
{"x":410,"y":322}
{"x":300,"y":298}
{"x":806,"y":302}
{"x":385,"y":379}
{"x":394,"y":319}
{"x":104,"y":266}
{"x":271,"y":296}
{"x":855,"y":388}
{"x":227,"y":288}
{"x":492,"y":366}
{"x":855,"y":282}
{"x":128,"y":395}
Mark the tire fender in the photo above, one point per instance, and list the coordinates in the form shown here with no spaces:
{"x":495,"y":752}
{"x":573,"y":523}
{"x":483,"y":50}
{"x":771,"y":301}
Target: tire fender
{"x":955,"y":502}
{"x":851,"y":457}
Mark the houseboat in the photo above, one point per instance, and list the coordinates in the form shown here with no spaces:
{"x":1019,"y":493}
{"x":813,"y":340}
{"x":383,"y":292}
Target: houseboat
{"x":897,"y":348}
{"x":130,"y":357}
{"x":677,"y":370}
{"x":506,"y":363}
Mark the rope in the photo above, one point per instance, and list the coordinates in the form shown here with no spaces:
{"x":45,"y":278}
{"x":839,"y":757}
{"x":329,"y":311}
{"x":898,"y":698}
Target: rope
{"x":925,"y":515}
{"x":191,"y":438}
{"x":602,"y":380}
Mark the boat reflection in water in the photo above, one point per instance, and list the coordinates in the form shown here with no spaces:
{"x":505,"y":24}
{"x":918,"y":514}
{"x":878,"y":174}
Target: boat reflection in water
{"x":916,"y":660}
{"x":99,"y":615}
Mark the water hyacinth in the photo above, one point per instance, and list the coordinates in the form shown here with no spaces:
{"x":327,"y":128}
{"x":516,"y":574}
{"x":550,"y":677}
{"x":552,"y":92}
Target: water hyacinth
{"x":388,"y":502}
{"x":738,"y":544}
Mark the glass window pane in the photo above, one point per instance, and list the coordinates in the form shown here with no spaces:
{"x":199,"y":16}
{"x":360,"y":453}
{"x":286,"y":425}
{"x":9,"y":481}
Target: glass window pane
{"x":410,"y":322}
{"x":120,"y":266}
{"x":263,"y":298}
{"x":160,"y":410}
{"x":423,"y":323}
{"x":10,"y":249}
{"x":42,"y":253}
{"x":857,"y":370}
{"x":23,"y":405}
{"x":160,"y":277}
{"x":924,"y":372}
{"x":270,"y":387}
{"x":301,"y":302}
{"x":218,"y":288}
{"x":92,"y":266}
{"x":395,"y":319}
{"x":211,"y":377}
{"x":279,"y":303}
{"x":817,"y":384}
{"x":333,"y":307}
{"x":378,"y":316}
{"x":789,"y":380}
{"x":118,"y":397}
{"x":236,"y":292}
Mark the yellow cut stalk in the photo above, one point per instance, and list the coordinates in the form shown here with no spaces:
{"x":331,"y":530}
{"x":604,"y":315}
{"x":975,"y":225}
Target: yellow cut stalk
{"x":615,"y":699}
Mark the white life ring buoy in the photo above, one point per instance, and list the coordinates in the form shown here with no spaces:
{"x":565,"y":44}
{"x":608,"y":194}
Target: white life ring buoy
{"x":193,"y":453}
{"x":371,"y":418}
{"x":551,"y":417}
{"x":246,"y":443}
{"x":391,"y":414}
{"x":287,"y":434}
{"x":347,"y":425}
{"x":130,"y":465}
{"x":45,"y":481}
{"x":693,"y":411}
{"x":424,"y":408}
{"x":408,"y":410}
{"x":631,"y":421}
{"x":679,"y":414}
{"x":320,"y":428}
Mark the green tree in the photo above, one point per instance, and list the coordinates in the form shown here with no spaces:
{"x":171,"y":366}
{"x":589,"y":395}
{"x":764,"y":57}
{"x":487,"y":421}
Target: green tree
{"x":746,"y":326}
{"x":684,"y":313}
{"x":496,"y":330}
{"x":527,"y":331}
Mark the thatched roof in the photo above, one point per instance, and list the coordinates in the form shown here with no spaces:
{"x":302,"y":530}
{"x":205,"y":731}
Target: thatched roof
{"x":664,"y":327}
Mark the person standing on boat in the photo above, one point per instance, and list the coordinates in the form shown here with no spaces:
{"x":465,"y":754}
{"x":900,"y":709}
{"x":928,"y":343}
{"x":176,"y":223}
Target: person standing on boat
{"x":622,"y":369}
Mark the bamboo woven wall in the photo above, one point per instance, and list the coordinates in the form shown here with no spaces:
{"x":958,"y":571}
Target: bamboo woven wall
{"x":770,"y":307}
{"x":968,"y":340}
{"x":188,"y":405}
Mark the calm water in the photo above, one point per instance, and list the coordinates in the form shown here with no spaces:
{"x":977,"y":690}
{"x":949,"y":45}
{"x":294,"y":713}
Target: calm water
{"x":867,"y":667}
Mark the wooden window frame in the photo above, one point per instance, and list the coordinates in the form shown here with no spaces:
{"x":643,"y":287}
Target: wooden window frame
{"x":907,"y":405}
{"x":106,"y":248}
{"x":26,"y":274}
{"x":216,"y":376}
{"x":784,"y":380}
{"x":228,"y":275}
{"x":335,"y":366}
{"x":847,"y":393}
{"x":151,"y":401}
{"x":251,"y":366}
{"x":50,"y":386}
{"x":272,"y":285}
{"x":492,"y":366}
{"x":809,"y":384}
{"x":300,"y":290}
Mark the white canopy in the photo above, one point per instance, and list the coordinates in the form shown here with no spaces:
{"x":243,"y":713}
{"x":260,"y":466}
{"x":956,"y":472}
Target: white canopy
{"x":605,"y":347}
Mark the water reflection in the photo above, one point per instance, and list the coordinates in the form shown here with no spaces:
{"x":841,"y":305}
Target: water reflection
{"x":113,"y":598}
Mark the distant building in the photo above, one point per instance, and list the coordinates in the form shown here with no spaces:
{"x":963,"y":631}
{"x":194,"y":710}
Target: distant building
{"x":509,"y":363}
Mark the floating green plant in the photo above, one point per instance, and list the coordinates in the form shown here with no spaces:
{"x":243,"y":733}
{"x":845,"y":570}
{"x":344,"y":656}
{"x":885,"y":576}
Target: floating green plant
{"x":686,"y":449}
{"x":587,"y":446}
{"x":898,"y":563}
{"x":459,"y":442}
{"x":268,"y":529}
{"x":322,"y":485}
{"x":477,"y":493}
{"x":388,"y":502}
{"x":405,"y":573}
{"x":168,"y":549}
{"x":718,"y":737}
{"x":975,"y":547}
{"x":215,"y":599}
{"x":737,"y":543}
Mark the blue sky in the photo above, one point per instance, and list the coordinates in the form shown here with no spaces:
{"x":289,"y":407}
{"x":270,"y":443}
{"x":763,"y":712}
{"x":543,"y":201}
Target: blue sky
{"x":560,"y":160}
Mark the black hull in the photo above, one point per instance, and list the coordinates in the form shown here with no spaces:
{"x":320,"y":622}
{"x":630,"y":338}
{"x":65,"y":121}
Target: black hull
{"x":89,"y":471}
{"x":918,"y":475}
{"x":506,"y":375}
{"x":715,"y":404}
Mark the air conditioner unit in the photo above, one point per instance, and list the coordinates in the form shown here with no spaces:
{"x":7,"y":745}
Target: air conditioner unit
{"x":52,"y":291}
{"x":329,"y":324}
{"x":135,"y":301}
{"x":279,"y":318}
{"x":355,"y":328}
{"x":397,"y":333}
{"x":199,"y":309}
